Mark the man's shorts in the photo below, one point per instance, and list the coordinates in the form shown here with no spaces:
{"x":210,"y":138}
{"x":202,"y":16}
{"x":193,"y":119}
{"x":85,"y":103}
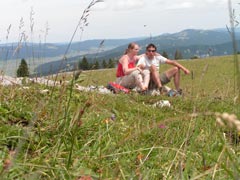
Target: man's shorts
{"x":163,"y":78}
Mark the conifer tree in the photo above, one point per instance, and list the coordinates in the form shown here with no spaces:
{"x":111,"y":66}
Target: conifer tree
{"x":96,"y":65}
{"x":164,"y":54}
{"x":84,"y":64}
{"x":22,"y":70}
{"x":178,"y":55}
{"x":104,"y":64}
{"x":111,"y":63}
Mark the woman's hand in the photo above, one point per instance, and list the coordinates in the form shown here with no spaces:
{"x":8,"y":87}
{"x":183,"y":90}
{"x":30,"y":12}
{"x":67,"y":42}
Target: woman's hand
{"x":141,"y":66}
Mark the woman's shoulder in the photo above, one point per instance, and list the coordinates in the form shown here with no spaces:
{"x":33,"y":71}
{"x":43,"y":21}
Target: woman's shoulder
{"x":123,"y":57}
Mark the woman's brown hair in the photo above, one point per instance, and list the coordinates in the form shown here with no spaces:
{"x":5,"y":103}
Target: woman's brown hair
{"x":130,"y":46}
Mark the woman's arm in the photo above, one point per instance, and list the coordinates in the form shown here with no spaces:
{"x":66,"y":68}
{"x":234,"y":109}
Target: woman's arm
{"x":126,"y":70}
{"x":141,"y":63}
{"x":139,"y":56}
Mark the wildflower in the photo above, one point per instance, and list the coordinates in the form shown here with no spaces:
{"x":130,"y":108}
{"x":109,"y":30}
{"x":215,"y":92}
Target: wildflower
{"x":113,"y":117}
{"x":88,"y":104}
{"x":162,"y":126}
{"x":106,"y":121}
{"x":81,"y":112}
{"x":79,"y":123}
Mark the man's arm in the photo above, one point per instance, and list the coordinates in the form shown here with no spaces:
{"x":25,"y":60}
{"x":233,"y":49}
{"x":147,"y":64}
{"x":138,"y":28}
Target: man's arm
{"x":175,"y":63}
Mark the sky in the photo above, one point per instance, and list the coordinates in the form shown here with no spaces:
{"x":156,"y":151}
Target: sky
{"x":56,"y":20}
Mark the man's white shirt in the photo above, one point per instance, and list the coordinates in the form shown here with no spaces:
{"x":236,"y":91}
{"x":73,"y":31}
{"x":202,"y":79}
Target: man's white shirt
{"x":156,"y":61}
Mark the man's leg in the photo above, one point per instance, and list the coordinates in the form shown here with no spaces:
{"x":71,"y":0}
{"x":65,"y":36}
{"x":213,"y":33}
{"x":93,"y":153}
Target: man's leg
{"x":155,"y":76}
{"x":175,"y":73}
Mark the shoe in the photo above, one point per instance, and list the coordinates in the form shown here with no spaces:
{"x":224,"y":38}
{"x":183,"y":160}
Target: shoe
{"x":166,"y":89}
{"x":154,"y":92}
{"x":173,"y":93}
{"x":180,"y":91}
{"x":141,"y":91}
{"x":161,"y":90}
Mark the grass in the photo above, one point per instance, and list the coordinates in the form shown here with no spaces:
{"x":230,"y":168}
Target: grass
{"x":68,"y":134}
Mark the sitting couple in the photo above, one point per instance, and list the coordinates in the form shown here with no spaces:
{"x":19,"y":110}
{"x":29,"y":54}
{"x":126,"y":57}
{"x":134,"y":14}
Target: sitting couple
{"x":142,"y":71}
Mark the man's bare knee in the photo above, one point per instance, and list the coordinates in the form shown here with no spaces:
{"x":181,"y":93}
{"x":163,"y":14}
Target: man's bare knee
{"x":176,"y":69}
{"x":153,"y":68}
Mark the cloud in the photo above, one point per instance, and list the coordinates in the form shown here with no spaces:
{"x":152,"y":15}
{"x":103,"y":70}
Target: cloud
{"x":119,"y":5}
{"x":188,"y":4}
{"x":182,"y":5}
{"x":128,"y":4}
{"x":214,"y":1}
{"x":160,"y":16}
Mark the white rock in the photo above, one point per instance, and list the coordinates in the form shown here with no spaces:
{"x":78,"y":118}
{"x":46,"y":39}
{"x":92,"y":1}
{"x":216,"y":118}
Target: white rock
{"x":162,"y":103}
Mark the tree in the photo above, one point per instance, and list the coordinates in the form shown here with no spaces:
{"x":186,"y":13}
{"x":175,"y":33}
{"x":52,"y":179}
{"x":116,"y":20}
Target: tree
{"x":84,"y":64}
{"x":22,"y":70}
{"x":111,"y":63}
{"x":104,"y":64}
{"x":178,"y":55}
{"x":164,"y":54}
{"x":96,"y":65}
{"x":194,"y":57}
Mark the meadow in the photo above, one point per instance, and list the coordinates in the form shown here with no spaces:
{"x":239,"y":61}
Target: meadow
{"x":68,"y":134}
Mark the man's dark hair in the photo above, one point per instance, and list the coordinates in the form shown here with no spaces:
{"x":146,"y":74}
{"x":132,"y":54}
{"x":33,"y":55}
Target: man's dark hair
{"x":151,"y":45}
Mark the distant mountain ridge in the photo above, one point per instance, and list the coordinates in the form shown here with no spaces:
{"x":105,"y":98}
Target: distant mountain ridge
{"x":40,"y":50}
{"x":185,"y":40}
{"x":190,"y":42}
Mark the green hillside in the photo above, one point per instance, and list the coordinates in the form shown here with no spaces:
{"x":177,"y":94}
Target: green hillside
{"x":68,"y":134}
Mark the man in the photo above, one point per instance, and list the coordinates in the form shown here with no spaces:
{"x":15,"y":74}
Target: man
{"x":151,"y":61}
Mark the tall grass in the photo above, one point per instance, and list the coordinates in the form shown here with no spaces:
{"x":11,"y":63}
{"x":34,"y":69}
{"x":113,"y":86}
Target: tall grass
{"x":83,"y":22}
{"x":85,"y":134}
{"x":6,"y":58}
{"x":67,"y":134}
{"x":233,"y":24}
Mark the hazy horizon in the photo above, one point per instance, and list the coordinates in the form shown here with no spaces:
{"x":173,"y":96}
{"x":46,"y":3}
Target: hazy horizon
{"x":117,"y":38}
{"x":55,"y":21}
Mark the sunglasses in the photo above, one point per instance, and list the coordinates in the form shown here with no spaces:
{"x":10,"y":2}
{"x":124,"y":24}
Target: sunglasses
{"x":151,"y":50}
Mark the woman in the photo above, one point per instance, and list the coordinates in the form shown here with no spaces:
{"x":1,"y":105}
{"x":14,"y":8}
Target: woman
{"x":128,"y":75}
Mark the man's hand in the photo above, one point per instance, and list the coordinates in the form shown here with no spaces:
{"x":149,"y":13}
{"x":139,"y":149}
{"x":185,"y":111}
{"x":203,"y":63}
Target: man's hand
{"x":186,"y":71}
